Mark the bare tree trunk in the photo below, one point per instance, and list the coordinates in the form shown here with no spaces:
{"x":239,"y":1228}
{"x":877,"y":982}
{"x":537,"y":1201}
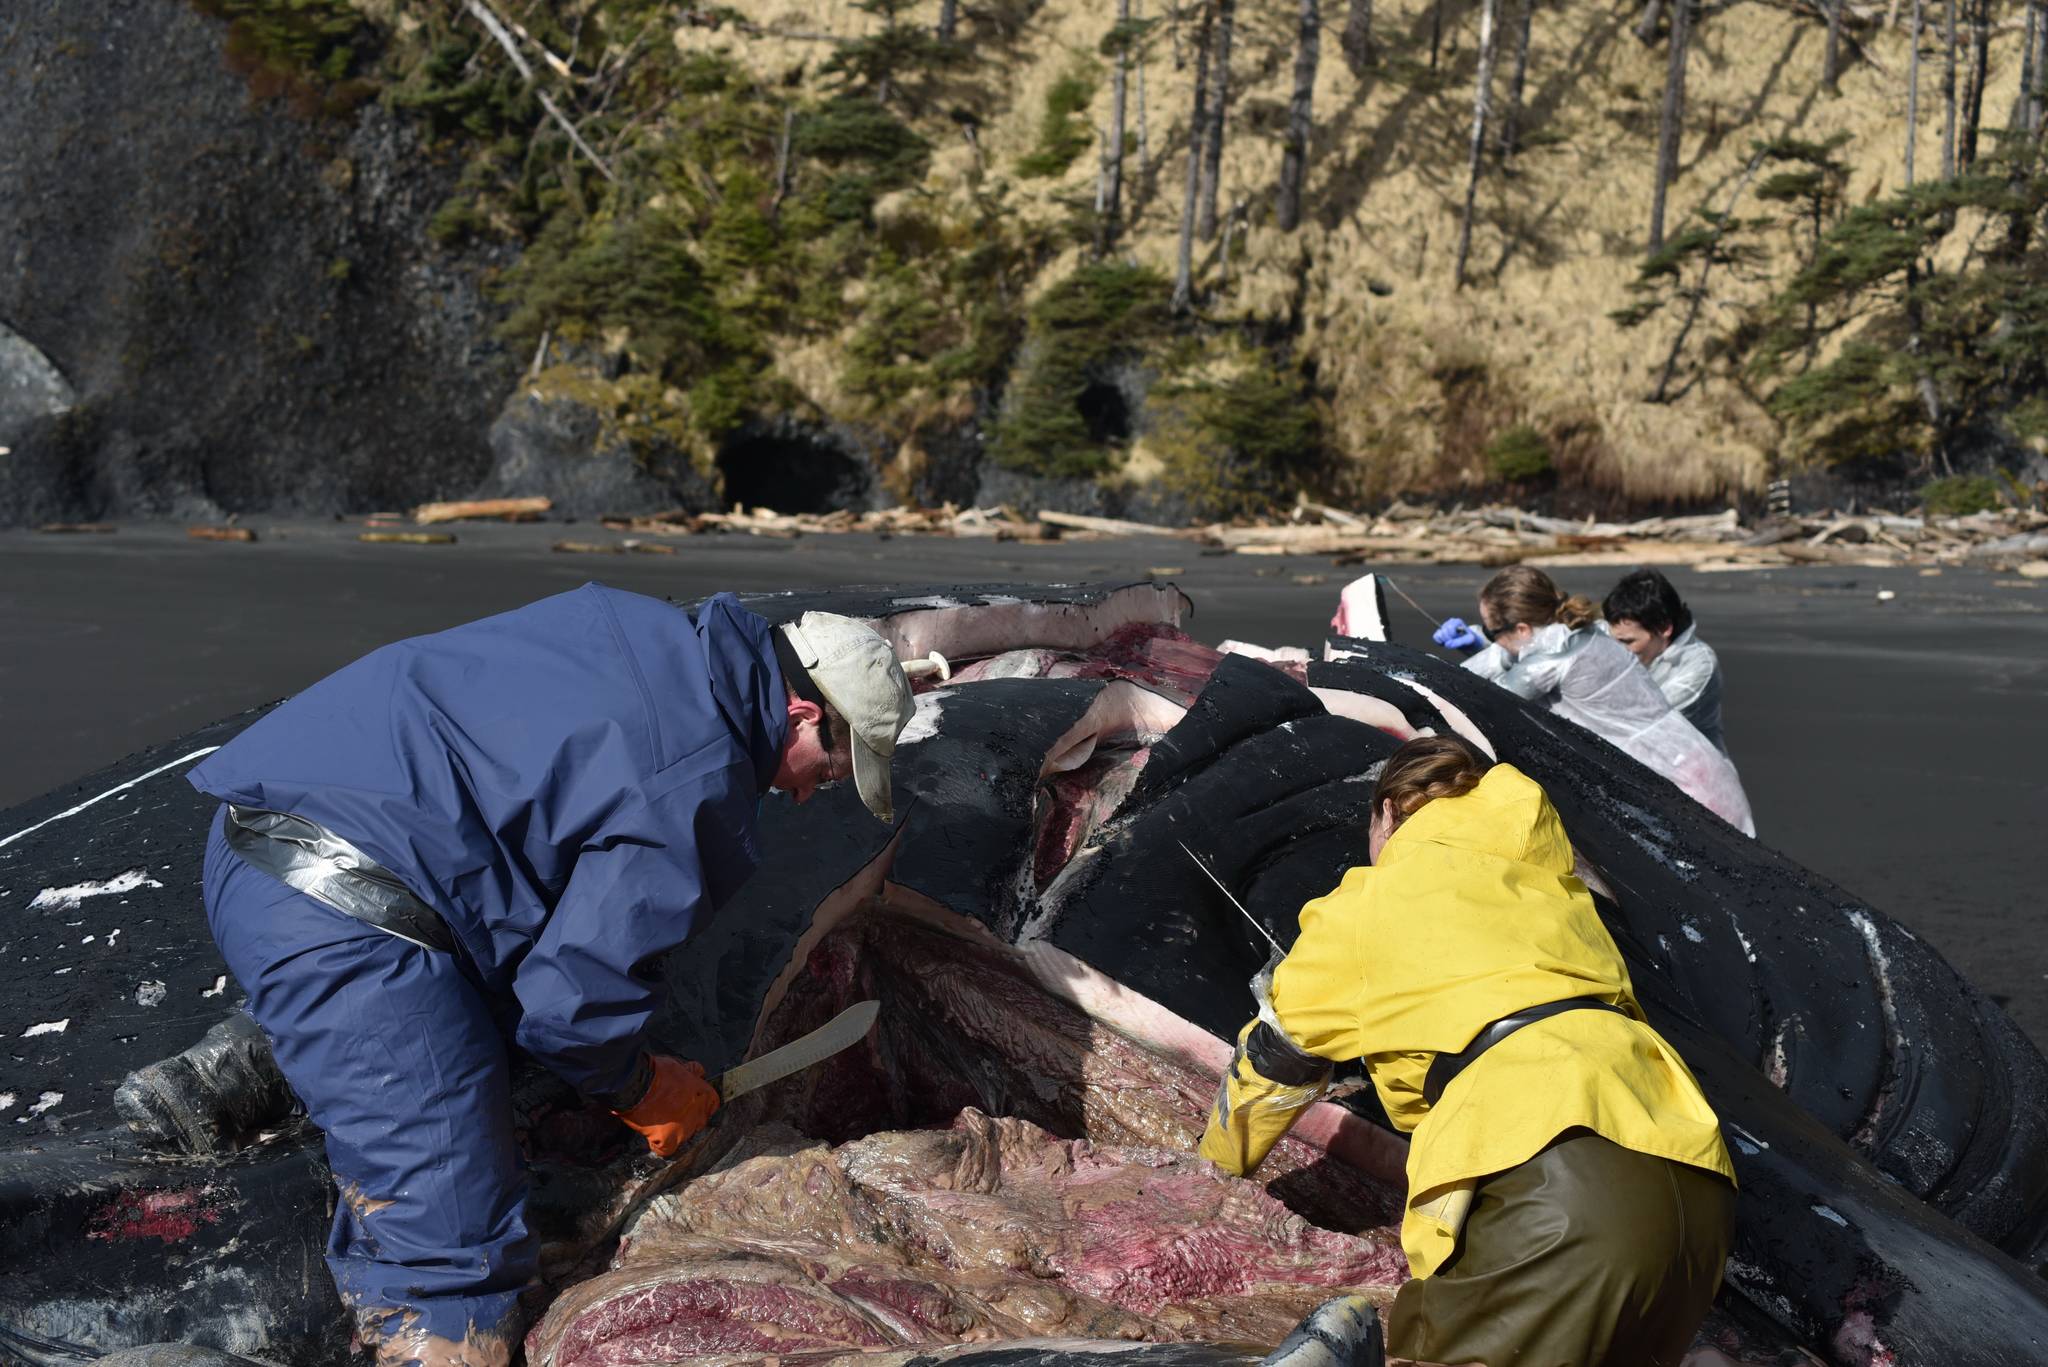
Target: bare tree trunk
{"x":1218,"y":109}
{"x":1482,"y":95}
{"x":1973,"y":106}
{"x":1930,"y":395}
{"x":1511,"y":121}
{"x":1831,"y":56}
{"x":1673,"y":115}
{"x":1948,"y":95}
{"x":1184,"y":262}
{"x":2034,"y":74}
{"x":1436,"y":31}
{"x":1913,"y":93}
{"x":1233,"y":229}
{"x":1646,"y":27}
{"x":2022,"y":108}
{"x":1357,"y":40}
{"x":1144,"y":138}
{"x":949,"y":19}
{"x":1111,"y":191}
{"x":782,"y":160}
{"x":2035,"y":96}
{"x":1300,"y":118}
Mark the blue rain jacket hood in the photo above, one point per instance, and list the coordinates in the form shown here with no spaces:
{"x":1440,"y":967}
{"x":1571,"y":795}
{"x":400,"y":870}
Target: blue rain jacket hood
{"x":572,"y":786}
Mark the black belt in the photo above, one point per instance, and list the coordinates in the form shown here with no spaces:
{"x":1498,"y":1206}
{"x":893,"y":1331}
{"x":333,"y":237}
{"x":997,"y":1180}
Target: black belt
{"x":306,"y":855}
{"x":1447,"y":1066}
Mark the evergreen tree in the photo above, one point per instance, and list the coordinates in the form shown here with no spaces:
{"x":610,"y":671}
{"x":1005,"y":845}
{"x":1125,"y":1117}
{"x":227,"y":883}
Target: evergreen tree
{"x":1812,"y":178}
{"x":1927,"y":345}
{"x":897,"y":61}
{"x":1678,"y":274}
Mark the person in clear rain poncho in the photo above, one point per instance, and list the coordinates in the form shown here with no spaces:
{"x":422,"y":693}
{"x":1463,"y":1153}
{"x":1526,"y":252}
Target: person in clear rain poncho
{"x":1546,"y":647}
{"x":1645,"y":613}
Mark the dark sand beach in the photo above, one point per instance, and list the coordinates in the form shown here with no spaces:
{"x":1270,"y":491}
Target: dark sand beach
{"x":1897,"y":746}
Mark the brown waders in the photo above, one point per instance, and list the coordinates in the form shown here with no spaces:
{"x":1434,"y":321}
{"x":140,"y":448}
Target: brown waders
{"x":1586,"y":1255}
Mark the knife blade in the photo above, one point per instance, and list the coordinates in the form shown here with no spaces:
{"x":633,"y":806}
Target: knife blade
{"x":847,"y":1028}
{"x":1232,"y":896}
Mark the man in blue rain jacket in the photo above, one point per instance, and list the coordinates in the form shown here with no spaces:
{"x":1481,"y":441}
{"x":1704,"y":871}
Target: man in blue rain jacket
{"x":476,"y":841}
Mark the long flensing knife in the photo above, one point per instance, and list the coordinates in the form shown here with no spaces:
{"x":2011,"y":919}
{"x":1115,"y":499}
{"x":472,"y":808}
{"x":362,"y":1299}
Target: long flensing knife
{"x":1233,"y":900}
{"x":844,"y":1030}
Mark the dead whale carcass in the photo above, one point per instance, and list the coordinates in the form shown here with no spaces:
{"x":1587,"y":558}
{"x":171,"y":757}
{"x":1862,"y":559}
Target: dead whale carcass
{"x":1081,"y":732}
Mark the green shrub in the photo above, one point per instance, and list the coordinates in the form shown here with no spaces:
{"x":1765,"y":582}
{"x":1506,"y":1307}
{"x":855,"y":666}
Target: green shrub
{"x":1519,"y":454}
{"x":898,"y":61}
{"x":484,"y":103}
{"x":1961,"y":495}
{"x":308,"y":39}
{"x":848,"y":129}
{"x":456,"y":221}
{"x":310,"y":53}
{"x":1063,"y":133}
{"x":869,"y":151}
{"x":1104,"y":313}
{"x":1245,"y":444}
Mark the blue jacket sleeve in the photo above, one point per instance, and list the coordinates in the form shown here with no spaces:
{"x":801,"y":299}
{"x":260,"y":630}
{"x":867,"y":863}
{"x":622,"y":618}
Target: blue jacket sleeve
{"x":587,"y":987}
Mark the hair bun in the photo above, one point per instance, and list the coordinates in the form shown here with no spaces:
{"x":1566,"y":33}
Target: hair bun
{"x":1425,"y":769}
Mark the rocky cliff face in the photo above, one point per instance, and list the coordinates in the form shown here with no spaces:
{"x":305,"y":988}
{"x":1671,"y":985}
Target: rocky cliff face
{"x":216,"y":304}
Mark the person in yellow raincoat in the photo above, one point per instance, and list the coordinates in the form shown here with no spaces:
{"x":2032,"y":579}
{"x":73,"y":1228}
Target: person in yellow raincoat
{"x":1570,"y":1202}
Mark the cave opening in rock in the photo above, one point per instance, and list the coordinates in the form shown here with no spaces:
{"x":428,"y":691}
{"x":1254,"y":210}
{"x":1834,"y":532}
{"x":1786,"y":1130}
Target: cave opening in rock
{"x":1106,"y":411}
{"x":790,"y":472}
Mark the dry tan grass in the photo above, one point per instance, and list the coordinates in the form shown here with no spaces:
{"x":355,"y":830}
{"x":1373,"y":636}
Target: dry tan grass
{"x":1556,"y":242}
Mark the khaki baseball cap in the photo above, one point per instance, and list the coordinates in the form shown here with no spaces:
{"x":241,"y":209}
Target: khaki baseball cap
{"x":856,"y":671}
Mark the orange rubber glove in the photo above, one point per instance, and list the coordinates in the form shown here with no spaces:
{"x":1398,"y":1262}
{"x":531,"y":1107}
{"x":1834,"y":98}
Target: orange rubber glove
{"x":677,"y":1104}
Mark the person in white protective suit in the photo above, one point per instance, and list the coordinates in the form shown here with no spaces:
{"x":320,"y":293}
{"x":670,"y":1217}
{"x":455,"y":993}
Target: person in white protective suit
{"x":1545,"y":647}
{"x":1645,"y":613}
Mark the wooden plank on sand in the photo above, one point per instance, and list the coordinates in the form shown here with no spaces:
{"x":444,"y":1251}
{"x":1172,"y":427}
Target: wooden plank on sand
{"x":503,"y":509}
{"x":1110,"y":526}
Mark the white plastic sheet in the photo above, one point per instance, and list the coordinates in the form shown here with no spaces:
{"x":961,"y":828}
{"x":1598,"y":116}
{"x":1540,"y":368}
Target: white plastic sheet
{"x":1590,"y":678}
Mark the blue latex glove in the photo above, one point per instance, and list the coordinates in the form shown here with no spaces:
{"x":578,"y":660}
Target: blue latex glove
{"x":1456,"y":635}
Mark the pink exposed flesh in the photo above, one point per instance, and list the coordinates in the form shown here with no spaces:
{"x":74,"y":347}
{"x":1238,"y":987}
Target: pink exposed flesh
{"x":991,"y":1228}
